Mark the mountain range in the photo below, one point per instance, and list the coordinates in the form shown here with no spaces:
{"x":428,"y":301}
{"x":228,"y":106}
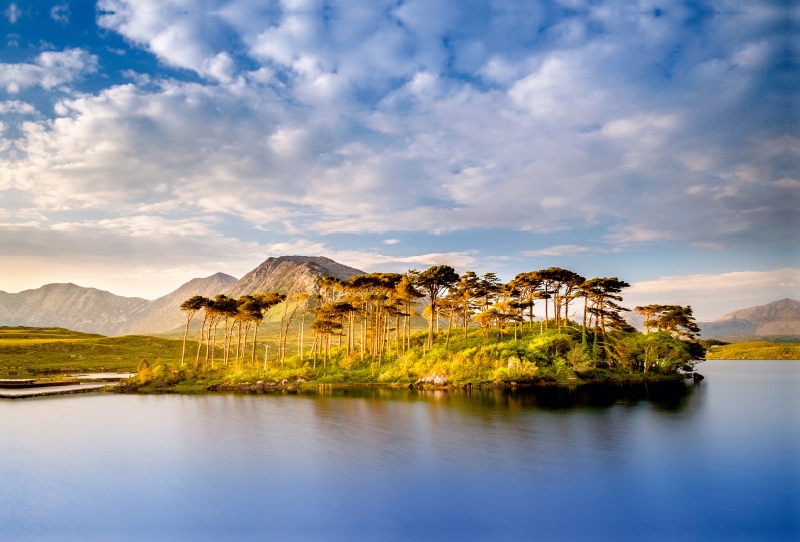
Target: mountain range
{"x":96,"y":311}
{"x":777,"y":319}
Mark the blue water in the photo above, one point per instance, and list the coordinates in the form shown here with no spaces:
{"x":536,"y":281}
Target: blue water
{"x":716,"y":461}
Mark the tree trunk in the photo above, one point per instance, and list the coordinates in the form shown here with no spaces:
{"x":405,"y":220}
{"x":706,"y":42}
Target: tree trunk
{"x":255,"y":342}
{"x":185,"y":336}
{"x":546,"y":315}
{"x":200,"y":342}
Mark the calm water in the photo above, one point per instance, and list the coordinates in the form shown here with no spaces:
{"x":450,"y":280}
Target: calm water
{"x":717,"y":461}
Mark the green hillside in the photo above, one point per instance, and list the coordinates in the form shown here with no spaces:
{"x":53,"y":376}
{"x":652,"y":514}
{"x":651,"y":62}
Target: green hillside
{"x":755,"y":350}
{"x":27,"y":351}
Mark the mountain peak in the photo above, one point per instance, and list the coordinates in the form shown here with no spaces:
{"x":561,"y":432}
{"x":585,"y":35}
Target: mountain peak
{"x":778,"y":318}
{"x":290,"y":274}
{"x":89,"y":309}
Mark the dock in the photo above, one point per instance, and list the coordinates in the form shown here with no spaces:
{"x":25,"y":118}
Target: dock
{"x":45,"y":391}
{"x":20,"y":388}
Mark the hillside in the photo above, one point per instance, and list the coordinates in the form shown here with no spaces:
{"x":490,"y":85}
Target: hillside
{"x":31,"y":352}
{"x":96,"y":311}
{"x":164,"y":314}
{"x":70,"y":306}
{"x":755,"y":350}
{"x":777,"y":319}
{"x":290,"y":274}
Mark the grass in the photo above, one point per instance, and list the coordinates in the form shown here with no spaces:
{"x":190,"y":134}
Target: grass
{"x":30,"y":352}
{"x":755,"y":350}
{"x":534,"y":357}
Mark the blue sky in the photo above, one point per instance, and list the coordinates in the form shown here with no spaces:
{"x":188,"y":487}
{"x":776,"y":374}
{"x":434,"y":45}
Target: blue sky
{"x":147,"y":142}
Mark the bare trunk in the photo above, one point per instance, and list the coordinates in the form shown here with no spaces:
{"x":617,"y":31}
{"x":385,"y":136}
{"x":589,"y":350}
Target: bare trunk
{"x":200,"y":342}
{"x":255,"y":342}
{"x":185,"y":336}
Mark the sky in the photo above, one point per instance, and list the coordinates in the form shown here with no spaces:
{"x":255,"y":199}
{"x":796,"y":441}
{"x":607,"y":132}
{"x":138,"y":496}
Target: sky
{"x":147,"y":142}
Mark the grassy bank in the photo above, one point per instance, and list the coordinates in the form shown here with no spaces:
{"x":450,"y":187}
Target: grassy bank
{"x":533,"y":357}
{"x":755,"y":350}
{"x":31,"y":352}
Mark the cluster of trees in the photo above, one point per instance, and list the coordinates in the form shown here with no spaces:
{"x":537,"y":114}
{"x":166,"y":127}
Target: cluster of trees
{"x":237,"y":315}
{"x":370,"y":314}
{"x":674,"y":319}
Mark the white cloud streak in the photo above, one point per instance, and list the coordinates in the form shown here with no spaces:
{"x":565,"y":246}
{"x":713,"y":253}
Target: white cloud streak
{"x":49,"y":69}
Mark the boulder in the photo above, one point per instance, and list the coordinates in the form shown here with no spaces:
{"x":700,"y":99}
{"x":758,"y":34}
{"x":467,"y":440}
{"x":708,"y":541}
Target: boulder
{"x":434,"y":379}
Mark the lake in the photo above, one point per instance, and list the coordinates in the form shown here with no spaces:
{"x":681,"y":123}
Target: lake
{"x":719,"y":460}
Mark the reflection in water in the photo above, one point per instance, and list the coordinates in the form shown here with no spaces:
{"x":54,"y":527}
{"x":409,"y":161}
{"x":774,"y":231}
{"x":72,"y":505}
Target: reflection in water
{"x":588,"y":462}
{"x":670,"y":395}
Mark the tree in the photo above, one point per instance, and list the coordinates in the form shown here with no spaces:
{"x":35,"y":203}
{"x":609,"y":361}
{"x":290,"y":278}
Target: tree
{"x":264,"y":303}
{"x":649,"y":312}
{"x":405,"y":294}
{"x":190,"y":307}
{"x":465,"y":291}
{"x":525,"y":287}
{"x":679,"y":322}
{"x":434,"y":281}
{"x":604,"y":293}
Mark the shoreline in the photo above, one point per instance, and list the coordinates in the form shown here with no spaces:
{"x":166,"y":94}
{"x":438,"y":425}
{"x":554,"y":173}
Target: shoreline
{"x":295,"y":387}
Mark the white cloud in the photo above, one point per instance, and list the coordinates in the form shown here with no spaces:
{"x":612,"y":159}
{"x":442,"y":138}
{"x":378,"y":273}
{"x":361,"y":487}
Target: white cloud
{"x":16,"y":106}
{"x":60,"y":13}
{"x":178,"y":33}
{"x":369,"y":116}
{"x":49,"y":69}
{"x":12,"y":13}
{"x":558,"y":250}
{"x":712,"y":295}
{"x":780,"y":279}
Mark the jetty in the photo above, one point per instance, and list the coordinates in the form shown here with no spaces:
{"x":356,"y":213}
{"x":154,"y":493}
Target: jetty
{"x":20,"y":388}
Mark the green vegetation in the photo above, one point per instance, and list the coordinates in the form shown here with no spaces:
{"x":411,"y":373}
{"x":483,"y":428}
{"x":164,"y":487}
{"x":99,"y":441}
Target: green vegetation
{"x":367,"y":330}
{"x":30,"y":352}
{"x":755,"y":350}
{"x":535,"y":356}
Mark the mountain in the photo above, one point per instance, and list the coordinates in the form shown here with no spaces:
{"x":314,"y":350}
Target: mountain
{"x":96,"y":311}
{"x":70,"y":306}
{"x":290,"y":274}
{"x":164,"y":314}
{"x":776,"y":319}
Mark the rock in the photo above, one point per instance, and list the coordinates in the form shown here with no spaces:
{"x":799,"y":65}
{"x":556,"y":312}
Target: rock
{"x":434,"y":379}
{"x":260,"y":384}
{"x":301,"y":381}
{"x":697,"y":377}
{"x":284,"y":382}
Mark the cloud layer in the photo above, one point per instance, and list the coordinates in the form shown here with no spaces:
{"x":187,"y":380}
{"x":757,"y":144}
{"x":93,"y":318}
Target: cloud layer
{"x":609,"y":125}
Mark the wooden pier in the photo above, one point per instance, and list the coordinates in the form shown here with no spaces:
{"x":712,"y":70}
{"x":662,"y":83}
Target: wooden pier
{"x":20,"y":388}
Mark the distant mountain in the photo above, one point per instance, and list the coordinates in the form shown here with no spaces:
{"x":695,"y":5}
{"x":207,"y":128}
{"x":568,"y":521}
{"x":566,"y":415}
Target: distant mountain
{"x":70,"y":306}
{"x":164,"y":314}
{"x":290,"y":274}
{"x":776,"y":319}
{"x":96,"y":311}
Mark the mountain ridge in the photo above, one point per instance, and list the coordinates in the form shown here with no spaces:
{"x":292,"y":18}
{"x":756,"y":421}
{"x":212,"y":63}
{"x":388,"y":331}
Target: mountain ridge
{"x":775,"y":319}
{"x":96,"y":311}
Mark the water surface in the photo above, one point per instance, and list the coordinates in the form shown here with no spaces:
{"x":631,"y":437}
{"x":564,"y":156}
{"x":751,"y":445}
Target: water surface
{"x":714,"y":461}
